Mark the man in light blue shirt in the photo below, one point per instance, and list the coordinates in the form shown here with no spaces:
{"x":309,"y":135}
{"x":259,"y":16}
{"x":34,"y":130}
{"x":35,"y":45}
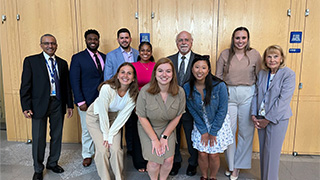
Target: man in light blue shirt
{"x":124,"y":53}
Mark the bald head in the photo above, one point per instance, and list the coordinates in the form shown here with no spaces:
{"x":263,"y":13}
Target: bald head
{"x":184,"y":42}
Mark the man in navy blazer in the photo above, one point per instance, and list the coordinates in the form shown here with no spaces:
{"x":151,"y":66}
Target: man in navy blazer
{"x":45,"y":92}
{"x":124,"y":53}
{"x":184,"y":42}
{"x":86,"y":73}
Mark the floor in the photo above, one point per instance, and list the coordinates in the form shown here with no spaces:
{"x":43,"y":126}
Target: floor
{"x":16,"y":164}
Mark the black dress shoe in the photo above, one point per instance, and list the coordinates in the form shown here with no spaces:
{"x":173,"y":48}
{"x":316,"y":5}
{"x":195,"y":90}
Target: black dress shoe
{"x":191,"y":170}
{"x":175,"y":168}
{"x":37,"y":176}
{"x":56,"y":169}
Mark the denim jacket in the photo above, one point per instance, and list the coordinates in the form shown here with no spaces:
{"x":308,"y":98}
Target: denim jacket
{"x":216,"y":110}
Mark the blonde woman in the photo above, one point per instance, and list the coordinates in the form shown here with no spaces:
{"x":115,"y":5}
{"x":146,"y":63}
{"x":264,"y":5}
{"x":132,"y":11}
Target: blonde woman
{"x":271,"y":109}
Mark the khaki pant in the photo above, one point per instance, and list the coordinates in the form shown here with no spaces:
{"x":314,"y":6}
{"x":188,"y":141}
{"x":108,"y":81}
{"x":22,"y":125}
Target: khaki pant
{"x":105,"y":158}
{"x":239,"y":155}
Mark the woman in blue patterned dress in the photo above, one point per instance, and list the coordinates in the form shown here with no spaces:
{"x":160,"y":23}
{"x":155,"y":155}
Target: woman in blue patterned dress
{"x":207,"y":101}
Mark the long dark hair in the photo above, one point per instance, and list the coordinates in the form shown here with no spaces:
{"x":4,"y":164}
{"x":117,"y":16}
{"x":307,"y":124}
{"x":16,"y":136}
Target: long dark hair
{"x":115,"y":83}
{"x":208,"y":80}
{"x":231,"y":50}
{"x":140,"y":46}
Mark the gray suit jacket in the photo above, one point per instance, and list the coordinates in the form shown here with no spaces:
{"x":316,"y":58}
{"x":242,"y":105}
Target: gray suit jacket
{"x":174,"y":59}
{"x":277,"y":97}
{"x":114,"y":59}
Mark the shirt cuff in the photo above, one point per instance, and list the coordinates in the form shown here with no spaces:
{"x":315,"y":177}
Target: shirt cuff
{"x":110,"y":139}
{"x":214,"y":133}
{"x":105,"y":137}
{"x":203,"y":131}
{"x":81,"y":103}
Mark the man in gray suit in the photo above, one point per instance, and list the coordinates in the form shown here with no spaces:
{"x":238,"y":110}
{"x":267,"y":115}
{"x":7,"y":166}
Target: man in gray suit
{"x":182,"y":63}
{"x":124,"y":53}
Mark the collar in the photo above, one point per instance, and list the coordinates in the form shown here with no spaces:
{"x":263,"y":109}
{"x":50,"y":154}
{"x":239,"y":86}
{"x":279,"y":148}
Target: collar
{"x":46,"y":56}
{"x":92,"y":53}
{"x":187,"y":55}
{"x":123,"y":51}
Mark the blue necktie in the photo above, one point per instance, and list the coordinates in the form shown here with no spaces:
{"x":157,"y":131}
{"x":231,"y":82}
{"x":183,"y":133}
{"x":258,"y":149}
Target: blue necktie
{"x":56,"y":79}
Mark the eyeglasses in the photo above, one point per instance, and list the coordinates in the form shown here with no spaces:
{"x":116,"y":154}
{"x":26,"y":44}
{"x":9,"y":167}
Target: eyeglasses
{"x":48,"y":43}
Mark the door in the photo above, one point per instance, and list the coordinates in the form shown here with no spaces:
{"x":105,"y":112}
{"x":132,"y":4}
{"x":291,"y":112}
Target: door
{"x":307,"y":134}
{"x":35,"y":19}
{"x":107,"y":17}
{"x":266,"y":21}
{"x":173,"y":16}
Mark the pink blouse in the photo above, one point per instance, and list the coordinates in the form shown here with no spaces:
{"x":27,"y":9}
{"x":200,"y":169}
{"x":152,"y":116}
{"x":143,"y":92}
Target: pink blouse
{"x":144,"y":72}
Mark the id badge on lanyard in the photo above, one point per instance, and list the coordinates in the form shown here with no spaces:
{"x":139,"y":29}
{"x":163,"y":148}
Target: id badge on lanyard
{"x":52,"y":71}
{"x":262,"y":110}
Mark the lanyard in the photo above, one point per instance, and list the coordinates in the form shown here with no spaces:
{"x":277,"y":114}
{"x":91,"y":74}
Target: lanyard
{"x":268,"y":82}
{"x":52,"y":71}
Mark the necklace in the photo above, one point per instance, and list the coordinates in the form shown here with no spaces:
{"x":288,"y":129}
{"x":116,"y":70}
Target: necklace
{"x":144,"y":66}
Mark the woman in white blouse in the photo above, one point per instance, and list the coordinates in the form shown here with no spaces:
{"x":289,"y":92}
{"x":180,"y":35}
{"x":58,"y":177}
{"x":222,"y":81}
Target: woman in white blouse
{"x":107,"y":115}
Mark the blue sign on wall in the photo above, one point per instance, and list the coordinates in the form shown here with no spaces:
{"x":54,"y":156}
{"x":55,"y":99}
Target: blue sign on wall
{"x":295,"y":37}
{"x":294,"y":50}
{"x":144,"y":37}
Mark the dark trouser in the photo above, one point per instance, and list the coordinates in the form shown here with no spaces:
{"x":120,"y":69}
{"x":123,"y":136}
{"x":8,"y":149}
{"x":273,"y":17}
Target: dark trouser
{"x":137,"y":157}
{"x":187,"y":122}
{"x":39,"y":131}
{"x":128,"y":132}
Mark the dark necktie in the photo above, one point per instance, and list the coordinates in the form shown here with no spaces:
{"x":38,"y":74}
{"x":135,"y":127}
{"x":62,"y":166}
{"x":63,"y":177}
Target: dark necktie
{"x":181,"y":71}
{"x":56,"y":78}
{"x":98,"y":63}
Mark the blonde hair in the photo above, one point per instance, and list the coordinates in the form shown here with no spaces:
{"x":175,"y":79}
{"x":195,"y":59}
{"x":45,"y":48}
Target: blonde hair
{"x":273,"y":49}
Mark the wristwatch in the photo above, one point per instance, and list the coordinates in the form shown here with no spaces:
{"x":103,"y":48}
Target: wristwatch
{"x":164,"y":136}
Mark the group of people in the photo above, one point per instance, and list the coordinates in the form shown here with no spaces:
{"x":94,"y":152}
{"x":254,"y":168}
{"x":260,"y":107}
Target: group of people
{"x":153,"y":100}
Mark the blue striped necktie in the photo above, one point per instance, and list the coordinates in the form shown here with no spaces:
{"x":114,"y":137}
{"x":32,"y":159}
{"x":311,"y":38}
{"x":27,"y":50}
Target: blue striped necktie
{"x":56,"y":78}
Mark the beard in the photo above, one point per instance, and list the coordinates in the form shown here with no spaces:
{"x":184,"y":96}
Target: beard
{"x":125,"y":47}
{"x":184,"y":49}
{"x":92,"y":49}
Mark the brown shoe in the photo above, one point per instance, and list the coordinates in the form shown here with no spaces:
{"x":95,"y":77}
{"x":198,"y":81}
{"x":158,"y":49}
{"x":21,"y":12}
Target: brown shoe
{"x":87,"y":162}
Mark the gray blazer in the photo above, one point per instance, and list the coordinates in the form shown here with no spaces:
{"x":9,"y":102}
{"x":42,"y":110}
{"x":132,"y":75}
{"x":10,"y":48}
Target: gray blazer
{"x":114,"y":59}
{"x":277,"y":97}
{"x":174,"y":59}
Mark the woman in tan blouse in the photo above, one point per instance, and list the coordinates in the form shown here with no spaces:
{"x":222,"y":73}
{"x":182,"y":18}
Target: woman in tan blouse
{"x":160,"y":106}
{"x":238,"y":66}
